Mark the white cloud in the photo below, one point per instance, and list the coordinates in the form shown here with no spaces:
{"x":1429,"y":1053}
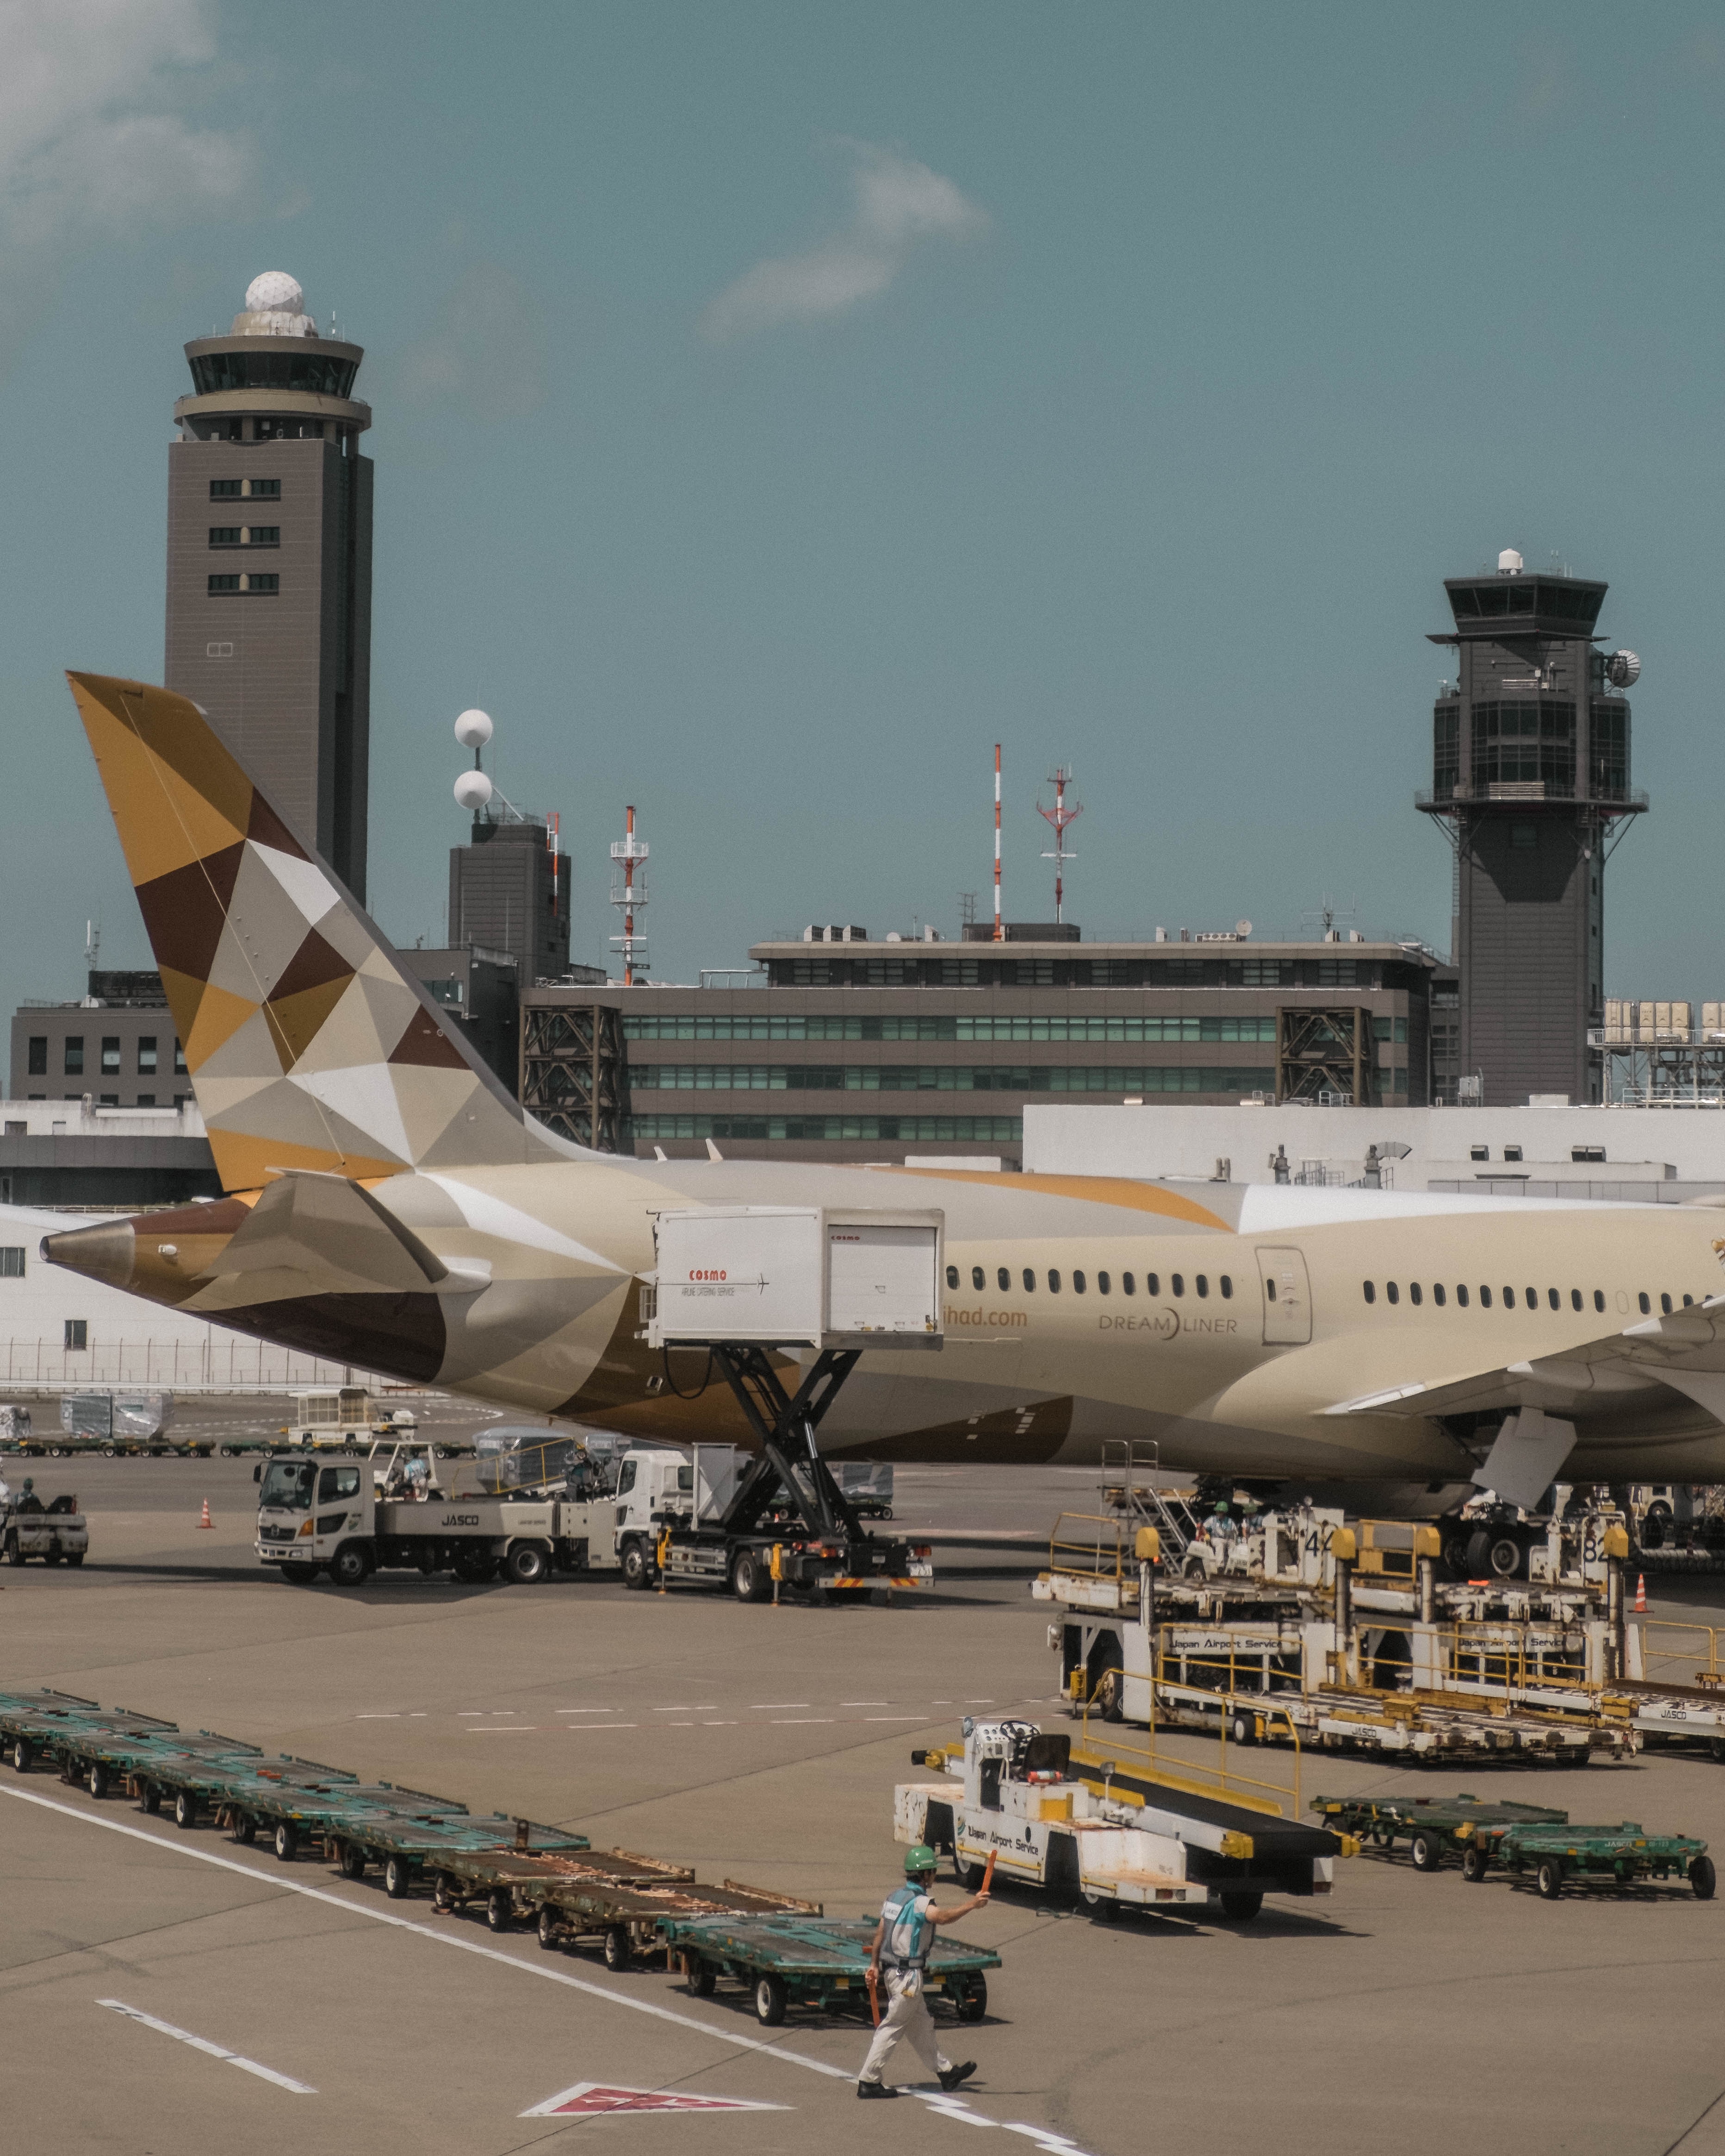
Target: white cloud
{"x":897,"y":204}
{"x":93,"y":144}
{"x":486,"y":346}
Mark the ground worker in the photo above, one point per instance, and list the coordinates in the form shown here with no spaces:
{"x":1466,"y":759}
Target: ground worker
{"x":1221,"y":1522}
{"x":903,"y":1940}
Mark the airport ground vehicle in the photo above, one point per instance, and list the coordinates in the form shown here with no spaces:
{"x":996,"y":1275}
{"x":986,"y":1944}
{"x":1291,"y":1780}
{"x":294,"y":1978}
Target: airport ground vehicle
{"x":55,"y":1531}
{"x":816,"y":1963}
{"x":1620,"y":1856}
{"x":1050,"y":1820}
{"x":318,"y":1515}
{"x":1433,"y":1828}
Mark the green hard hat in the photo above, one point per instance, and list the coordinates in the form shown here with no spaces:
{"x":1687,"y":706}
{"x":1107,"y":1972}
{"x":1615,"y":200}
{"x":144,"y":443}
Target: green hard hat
{"x":1221,"y":1504}
{"x":919,"y":1859}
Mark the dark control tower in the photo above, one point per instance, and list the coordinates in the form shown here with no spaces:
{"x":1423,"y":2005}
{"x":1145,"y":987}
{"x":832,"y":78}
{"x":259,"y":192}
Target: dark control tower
{"x":270,"y":564}
{"x":1531,"y":779}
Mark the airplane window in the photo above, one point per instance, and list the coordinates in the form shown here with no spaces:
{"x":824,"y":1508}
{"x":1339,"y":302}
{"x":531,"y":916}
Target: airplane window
{"x":1555,"y":1300}
{"x":1004,"y":1278}
{"x":1646,"y":1306}
{"x":1153,"y":1284}
{"x":1437,"y":1294}
{"x":1688,"y":1300}
{"x":1177,"y":1282}
{"x":1665,"y":1304}
{"x":1485,"y":1298}
{"x":1371,"y":1289}
{"x":1030,"y":1282}
{"x":1392,"y":1292}
{"x":1598,"y":1298}
{"x":1128,"y":1286}
{"x":1053,"y":1282}
{"x":978,"y":1278}
{"x":1203,"y":1284}
{"x":1415,"y":1294}
{"x":1227,"y":1288}
{"x":952,"y":1275}
{"x":1461,"y":1298}
{"x":1575,"y":1298}
{"x":1104,"y":1286}
{"x":1509,"y":1298}
{"x":1078,"y":1283}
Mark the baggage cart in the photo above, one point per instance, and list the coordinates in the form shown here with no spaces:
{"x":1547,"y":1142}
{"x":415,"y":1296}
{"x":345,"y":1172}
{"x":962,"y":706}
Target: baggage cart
{"x":1431,"y":1827}
{"x":1554,"y":1856}
{"x":819,"y":1964}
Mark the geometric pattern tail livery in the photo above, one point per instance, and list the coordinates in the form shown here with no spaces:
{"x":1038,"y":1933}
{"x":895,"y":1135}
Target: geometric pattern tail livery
{"x":309,"y":1045}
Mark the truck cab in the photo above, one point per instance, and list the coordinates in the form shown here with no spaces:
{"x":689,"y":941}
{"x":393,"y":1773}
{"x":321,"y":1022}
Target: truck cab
{"x":657,"y":1488}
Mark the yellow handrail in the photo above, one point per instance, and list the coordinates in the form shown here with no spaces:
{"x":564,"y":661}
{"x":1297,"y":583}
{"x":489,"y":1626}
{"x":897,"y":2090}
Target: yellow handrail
{"x":1229,"y":1782}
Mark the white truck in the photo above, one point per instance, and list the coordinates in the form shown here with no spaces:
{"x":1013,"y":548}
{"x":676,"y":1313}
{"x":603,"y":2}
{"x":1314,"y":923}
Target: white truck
{"x":1011,"y":1793}
{"x":339,"y":1517}
{"x":56,"y":1532}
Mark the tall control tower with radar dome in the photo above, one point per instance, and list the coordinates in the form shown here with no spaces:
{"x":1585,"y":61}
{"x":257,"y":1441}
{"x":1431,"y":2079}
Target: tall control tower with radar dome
{"x":269,"y":563}
{"x":1531,"y":784}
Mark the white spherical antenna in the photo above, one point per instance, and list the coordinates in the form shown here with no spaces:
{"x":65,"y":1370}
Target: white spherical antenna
{"x":1242,"y":927}
{"x":1509,"y":563}
{"x":1622,"y":670}
{"x":473,"y":789}
{"x":274,"y":293}
{"x":473,"y":729}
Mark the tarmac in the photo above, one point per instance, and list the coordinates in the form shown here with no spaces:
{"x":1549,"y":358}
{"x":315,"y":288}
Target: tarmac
{"x":760,"y":1745}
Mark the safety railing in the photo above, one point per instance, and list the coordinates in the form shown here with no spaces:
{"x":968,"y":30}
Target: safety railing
{"x":1096,"y":1547}
{"x":1676,"y":1653}
{"x":1194,"y":1775}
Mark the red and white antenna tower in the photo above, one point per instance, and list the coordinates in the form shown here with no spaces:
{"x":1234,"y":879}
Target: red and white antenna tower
{"x":1000,"y":933}
{"x":1060,"y":816}
{"x":629,"y":855}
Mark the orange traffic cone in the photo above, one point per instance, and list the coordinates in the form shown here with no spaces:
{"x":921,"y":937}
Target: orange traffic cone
{"x":1640,"y":1594}
{"x":206,"y":1522}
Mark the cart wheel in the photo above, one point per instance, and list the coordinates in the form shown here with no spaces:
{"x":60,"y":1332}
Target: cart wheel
{"x":398,"y":1877}
{"x":20,"y":1755}
{"x":185,"y":1809}
{"x":1105,"y":1911}
{"x":442,"y":1894}
{"x":226,"y":1451}
{"x":703,"y":1978}
{"x":751,"y":1577}
{"x":974,"y":2004}
{"x":1426,"y":1850}
{"x":769,"y":2002}
{"x":287,"y":1841}
{"x":499,"y":1909}
{"x":96,"y":1780}
{"x":637,"y":1567}
{"x":1242,"y":1727}
{"x":1473,"y":1864}
{"x":353,"y":1861}
{"x":110,"y":1451}
{"x":969,"y":1875}
{"x":1702,"y":1878}
{"x":1241,"y":1903}
{"x":13,"y":1554}
{"x":150,"y":1796}
{"x":549,"y":1927}
{"x":245,"y":1829}
{"x":526,"y":1564}
{"x":1549,"y":1878}
{"x":616,"y":1947}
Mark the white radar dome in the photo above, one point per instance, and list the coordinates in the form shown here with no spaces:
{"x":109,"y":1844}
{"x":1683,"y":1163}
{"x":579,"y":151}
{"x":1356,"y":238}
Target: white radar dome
{"x":1509,"y":563}
{"x":473,"y":729}
{"x":274,"y":293}
{"x":473,"y":789}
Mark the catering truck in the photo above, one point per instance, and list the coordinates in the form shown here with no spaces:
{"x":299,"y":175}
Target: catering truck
{"x":337,"y":1517}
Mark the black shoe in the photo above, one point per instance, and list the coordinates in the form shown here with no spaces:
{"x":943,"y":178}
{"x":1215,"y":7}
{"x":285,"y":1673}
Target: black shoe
{"x":954,"y":2075}
{"x":875,"y":2088}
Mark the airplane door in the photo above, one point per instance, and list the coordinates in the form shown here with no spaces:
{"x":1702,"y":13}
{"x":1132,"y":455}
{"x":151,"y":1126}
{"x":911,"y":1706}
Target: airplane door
{"x":1288,"y":1298}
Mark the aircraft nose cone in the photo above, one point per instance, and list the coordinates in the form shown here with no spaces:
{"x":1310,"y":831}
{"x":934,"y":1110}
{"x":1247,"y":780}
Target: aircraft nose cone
{"x":104,"y":1252}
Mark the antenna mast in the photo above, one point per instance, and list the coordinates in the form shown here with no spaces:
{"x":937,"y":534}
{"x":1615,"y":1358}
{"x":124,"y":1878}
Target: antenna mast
{"x":999,"y":935}
{"x":1059,"y":816}
{"x":629,"y":896}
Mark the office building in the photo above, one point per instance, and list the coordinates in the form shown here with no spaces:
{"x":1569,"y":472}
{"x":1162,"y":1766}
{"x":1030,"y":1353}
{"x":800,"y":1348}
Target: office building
{"x":1531,"y":782}
{"x":509,"y":892}
{"x":857,"y":1050}
{"x":270,"y":564}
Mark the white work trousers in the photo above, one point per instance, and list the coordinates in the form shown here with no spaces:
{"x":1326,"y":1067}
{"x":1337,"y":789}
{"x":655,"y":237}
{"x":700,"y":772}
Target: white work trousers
{"x":907,"y":2014}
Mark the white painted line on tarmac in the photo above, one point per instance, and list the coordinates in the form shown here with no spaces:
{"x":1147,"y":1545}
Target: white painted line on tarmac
{"x":586,"y":1728}
{"x":204,"y":2043}
{"x":715,"y":2032}
{"x":865,"y":1702}
{"x":767,"y":1706}
{"x":895,"y":1717}
{"x":503,"y":1729}
{"x":801,"y":1721}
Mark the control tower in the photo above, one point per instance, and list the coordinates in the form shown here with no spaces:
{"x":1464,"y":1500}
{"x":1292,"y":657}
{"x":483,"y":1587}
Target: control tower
{"x":269,"y":563}
{"x":1531,"y":782}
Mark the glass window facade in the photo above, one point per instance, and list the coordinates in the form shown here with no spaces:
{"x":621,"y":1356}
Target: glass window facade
{"x":315,"y":373}
{"x":1516,"y":743}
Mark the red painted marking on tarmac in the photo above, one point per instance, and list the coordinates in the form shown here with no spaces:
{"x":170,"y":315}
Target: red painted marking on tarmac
{"x":604,"y":2097}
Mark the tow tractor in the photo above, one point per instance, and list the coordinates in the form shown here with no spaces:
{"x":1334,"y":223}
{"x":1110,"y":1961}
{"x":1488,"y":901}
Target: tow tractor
{"x":739,"y":1282}
{"x":1010,"y":1793}
{"x":352,"y":1520}
{"x":55,"y":1531}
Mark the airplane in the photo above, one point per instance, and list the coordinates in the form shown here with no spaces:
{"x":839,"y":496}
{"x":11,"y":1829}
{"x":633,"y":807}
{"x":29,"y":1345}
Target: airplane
{"x":390,"y":1205}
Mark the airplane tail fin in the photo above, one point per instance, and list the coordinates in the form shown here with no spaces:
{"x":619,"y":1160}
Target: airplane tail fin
{"x":309,"y":1044}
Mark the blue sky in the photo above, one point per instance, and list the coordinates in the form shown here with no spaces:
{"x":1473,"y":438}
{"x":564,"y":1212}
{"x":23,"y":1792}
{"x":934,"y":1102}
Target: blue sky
{"x":776,"y":405}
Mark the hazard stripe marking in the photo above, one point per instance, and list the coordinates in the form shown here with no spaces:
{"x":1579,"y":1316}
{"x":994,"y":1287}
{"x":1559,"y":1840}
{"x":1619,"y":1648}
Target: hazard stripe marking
{"x":202,"y":2043}
{"x":590,"y":2096}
